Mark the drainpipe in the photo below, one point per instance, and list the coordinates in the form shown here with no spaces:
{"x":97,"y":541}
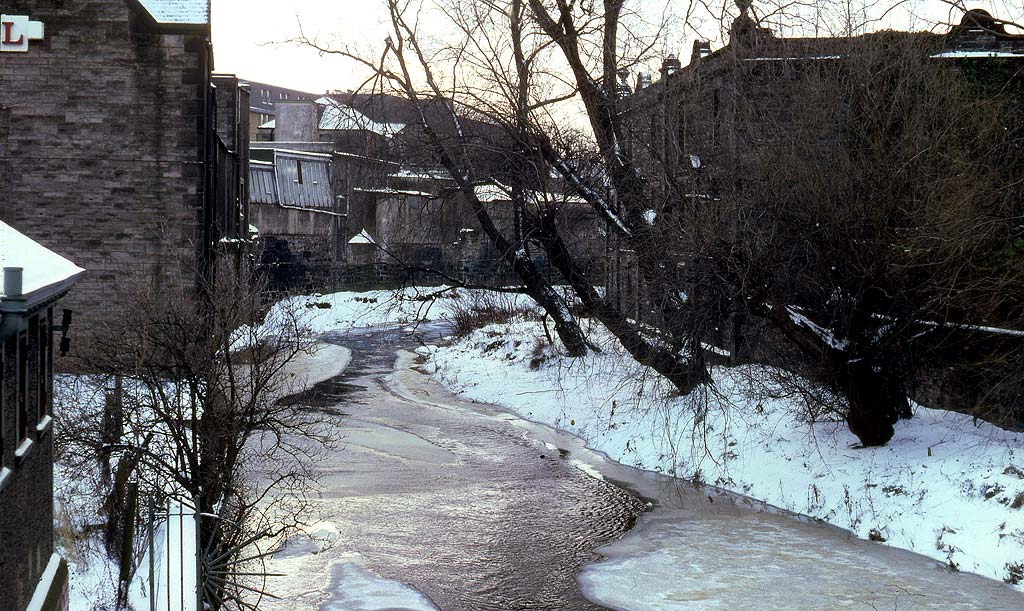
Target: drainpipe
{"x":209,"y":158}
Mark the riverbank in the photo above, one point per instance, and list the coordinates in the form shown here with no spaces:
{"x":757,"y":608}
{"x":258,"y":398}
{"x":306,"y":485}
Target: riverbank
{"x":945,"y":486}
{"x":94,"y":575}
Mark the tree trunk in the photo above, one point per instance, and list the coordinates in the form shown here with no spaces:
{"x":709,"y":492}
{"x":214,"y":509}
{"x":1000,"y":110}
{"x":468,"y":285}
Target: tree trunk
{"x":876,"y":399}
{"x":874,"y":392}
{"x":684,"y":373}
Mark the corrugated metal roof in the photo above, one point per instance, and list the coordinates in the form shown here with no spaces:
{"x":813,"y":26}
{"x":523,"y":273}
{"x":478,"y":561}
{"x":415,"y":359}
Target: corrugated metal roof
{"x":294,"y":178}
{"x":303,"y":179}
{"x":262,"y":183}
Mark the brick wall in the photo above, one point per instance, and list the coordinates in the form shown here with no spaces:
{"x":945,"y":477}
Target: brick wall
{"x":102,"y":147}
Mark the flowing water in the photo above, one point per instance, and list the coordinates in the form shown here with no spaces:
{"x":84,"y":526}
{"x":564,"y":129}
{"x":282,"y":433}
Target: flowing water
{"x":454,"y":501}
{"x":478,"y":509}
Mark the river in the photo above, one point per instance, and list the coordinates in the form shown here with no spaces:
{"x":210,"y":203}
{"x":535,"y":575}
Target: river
{"x":438,"y":502}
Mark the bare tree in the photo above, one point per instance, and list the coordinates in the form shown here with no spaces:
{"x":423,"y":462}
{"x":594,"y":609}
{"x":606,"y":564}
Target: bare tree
{"x":511,"y":65}
{"x":831,"y":184}
{"x":197,"y":382}
{"x":819,"y":217}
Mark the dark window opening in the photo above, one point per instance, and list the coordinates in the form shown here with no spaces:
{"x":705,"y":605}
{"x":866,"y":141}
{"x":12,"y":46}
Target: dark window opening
{"x":22,"y":387}
{"x":43,"y":369}
{"x":298,"y":169}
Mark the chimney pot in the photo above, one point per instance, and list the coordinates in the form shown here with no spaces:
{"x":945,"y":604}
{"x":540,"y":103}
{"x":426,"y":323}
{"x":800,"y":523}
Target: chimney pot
{"x":13,"y":282}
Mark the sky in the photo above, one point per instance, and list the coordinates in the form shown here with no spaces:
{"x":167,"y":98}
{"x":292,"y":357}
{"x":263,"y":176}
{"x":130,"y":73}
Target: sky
{"x":250,"y":37}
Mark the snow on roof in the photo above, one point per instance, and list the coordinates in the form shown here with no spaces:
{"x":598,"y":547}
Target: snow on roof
{"x":422,"y":174}
{"x":363,"y":237}
{"x":495,"y":191}
{"x":337,"y":116}
{"x":390,"y":191}
{"x":978,"y":54}
{"x":794,"y":58}
{"x":181,"y":12}
{"x":42,"y":268}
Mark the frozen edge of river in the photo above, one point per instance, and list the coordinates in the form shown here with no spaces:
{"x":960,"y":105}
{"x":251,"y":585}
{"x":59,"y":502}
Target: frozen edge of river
{"x":934,"y":505}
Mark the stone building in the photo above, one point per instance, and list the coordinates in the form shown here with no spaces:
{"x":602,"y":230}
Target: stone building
{"x":263,"y":101}
{"x":119,"y":150}
{"x":788,"y":155}
{"x":34,"y":280}
{"x":392,"y":212}
{"x":705,"y":129}
{"x":299,"y":220}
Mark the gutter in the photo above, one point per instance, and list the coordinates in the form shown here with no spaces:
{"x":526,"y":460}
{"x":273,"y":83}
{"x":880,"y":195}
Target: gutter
{"x":16,"y":306}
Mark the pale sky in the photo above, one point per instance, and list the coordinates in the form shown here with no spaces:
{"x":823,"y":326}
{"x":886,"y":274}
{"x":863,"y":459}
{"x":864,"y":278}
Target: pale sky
{"x":249,"y":36}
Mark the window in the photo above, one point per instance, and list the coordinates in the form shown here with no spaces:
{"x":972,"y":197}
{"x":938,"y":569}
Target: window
{"x":22,"y":375}
{"x":298,"y":170}
{"x":43,"y":368}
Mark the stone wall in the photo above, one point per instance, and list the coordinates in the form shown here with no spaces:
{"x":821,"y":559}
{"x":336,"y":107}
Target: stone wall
{"x":103,"y":150}
{"x":295,"y":252}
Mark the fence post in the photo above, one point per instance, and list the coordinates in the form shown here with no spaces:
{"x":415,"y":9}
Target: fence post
{"x":199,"y":555}
{"x":152,"y":553}
{"x":127,"y":547}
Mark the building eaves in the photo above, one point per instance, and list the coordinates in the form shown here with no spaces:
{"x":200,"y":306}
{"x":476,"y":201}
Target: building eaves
{"x":174,"y":16}
{"x":45,"y":274}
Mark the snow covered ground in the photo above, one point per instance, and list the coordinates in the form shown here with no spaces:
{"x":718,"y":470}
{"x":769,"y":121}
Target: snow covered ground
{"x":352,"y":587}
{"x":93,"y":575}
{"x":350,"y":310}
{"x":945,"y":486}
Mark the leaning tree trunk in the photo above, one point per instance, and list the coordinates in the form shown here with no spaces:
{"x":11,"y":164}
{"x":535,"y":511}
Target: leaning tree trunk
{"x":684,"y":373}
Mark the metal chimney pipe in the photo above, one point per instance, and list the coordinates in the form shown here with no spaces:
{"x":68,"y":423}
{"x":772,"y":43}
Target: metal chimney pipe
{"x":12,"y":282}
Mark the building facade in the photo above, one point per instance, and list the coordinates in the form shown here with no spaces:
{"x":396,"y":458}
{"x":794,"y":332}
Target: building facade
{"x":110,"y":148}
{"x":34,"y":280}
{"x":263,"y":101}
{"x":712,"y":130}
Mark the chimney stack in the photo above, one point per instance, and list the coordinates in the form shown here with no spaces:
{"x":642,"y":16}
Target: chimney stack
{"x":670,"y":66}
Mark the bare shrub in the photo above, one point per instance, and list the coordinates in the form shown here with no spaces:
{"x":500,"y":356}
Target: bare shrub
{"x":486,"y":308}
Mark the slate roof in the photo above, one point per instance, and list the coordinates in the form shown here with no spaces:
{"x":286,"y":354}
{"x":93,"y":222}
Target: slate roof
{"x":340,"y":117}
{"x":177,"y":12}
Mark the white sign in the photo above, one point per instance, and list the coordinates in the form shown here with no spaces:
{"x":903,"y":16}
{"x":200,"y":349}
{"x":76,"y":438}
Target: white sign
{"x":16,"y":31}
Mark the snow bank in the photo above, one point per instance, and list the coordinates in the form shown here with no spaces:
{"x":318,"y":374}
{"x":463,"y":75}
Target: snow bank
{"x":945,"y":486}
{"x":350,"y":310}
